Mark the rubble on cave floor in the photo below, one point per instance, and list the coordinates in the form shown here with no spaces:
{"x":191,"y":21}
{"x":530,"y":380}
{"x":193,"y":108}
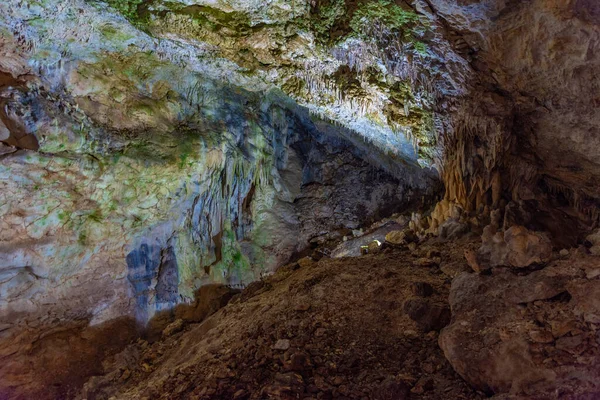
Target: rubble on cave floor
{"x":336,"y":328}
{"x":529,"y":327}
{"x":410,"y":321}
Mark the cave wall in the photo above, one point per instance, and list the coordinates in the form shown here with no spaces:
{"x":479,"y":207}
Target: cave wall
{"x":105,"y":222}
{"x":131,"y":144}
{"x":527,"y":130}
{"x":136,"y":170}
{"x":139,"y":227}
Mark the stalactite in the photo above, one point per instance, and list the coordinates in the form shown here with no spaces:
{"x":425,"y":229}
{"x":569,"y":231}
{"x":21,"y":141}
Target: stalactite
{"x":465,"y":183}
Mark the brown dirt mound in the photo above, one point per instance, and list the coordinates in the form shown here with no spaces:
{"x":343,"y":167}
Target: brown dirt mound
{"x":336,"y":328}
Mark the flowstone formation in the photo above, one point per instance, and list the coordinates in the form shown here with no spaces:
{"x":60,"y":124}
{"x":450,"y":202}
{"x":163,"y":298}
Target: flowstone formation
{"x":526,"y":130}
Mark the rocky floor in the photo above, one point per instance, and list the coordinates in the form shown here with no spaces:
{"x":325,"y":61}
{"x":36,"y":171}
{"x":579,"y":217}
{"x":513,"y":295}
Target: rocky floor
{"x":412,"y":321}
{"x":54,"y":361}
{"x":336,"y":328}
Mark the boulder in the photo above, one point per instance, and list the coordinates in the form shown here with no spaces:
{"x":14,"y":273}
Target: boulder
{"x":516,"y":247}
{"x":594,"y":241}
{"x":428,"y":315}
{"x":401,"y":238}
{"x":525,"y":247}
{"x":505,"y":329}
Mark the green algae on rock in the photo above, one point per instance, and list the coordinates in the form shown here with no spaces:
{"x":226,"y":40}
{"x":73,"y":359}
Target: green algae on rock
{"x":181,"y":146}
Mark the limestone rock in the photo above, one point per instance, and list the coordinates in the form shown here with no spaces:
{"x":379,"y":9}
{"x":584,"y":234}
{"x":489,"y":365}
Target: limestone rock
{"x":167,"y":161}
{"x":171,"y":159}
{"x":173,"y":328}
{"x":499,"y":319}
{"x":281,"y":344}
{"x":516,"y":247}
{"x":526,"y":247}
{"x":428,"y":315}
{"x":401,"y":238}
{"x":445,"y":220}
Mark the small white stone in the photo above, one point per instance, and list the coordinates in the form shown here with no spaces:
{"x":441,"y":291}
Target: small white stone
{"x":282,"y":344}
{"x":594,"y":273}
{"x":411,"y":334}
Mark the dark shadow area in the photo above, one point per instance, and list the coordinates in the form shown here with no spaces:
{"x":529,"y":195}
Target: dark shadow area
{"x":54,"y":361}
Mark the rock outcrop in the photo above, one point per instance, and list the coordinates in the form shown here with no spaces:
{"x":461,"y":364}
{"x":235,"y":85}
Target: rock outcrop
{"x":515,"y":247}
{"x":533,"y":335}
{"x":526,"y":129}
{"x":147,"y":152}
